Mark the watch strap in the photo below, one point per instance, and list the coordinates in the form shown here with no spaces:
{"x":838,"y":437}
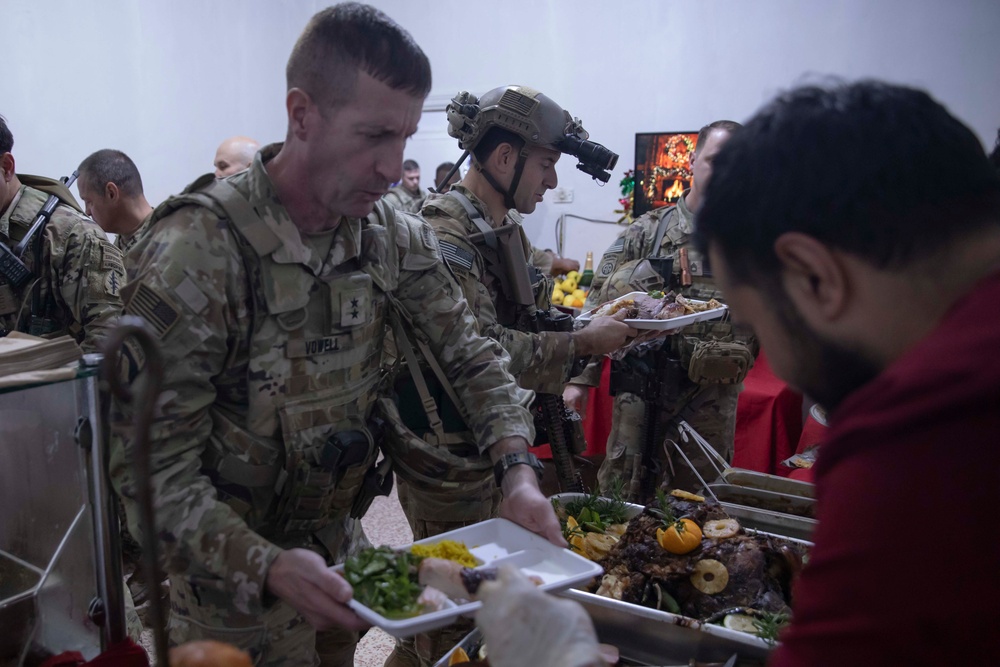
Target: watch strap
{"x":507,"y":461}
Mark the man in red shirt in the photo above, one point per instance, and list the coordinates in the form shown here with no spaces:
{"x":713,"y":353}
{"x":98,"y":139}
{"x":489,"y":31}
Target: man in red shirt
{"x":871,"y":275}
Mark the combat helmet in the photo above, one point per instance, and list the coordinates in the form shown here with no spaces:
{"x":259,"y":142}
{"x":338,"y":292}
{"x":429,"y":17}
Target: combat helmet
{"x":535,"y":118}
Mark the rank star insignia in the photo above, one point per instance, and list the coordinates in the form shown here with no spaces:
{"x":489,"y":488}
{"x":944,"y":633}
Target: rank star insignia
{"x":354,"y":309}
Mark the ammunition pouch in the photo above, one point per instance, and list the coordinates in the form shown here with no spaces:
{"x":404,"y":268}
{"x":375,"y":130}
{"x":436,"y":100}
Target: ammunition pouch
{"x":715,"y":352}
{"x":322,"y":476}
{"x":424,"y":460}
{"x":716,"y":362}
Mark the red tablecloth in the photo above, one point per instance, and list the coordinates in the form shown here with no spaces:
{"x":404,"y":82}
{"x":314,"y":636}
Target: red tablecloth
{"x":768,"y":421}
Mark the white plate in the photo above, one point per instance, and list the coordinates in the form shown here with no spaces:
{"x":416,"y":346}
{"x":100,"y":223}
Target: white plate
{"x":663,"y":325}
{"x":494,"y":542}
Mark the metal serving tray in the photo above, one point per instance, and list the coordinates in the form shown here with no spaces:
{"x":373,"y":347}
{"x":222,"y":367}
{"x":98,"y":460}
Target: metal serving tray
{"x":765,"y":500}
{"x":759,"y":480}
{"x":700,"y":641}
{"x":775,"y":523}
{"x":649,"y":637}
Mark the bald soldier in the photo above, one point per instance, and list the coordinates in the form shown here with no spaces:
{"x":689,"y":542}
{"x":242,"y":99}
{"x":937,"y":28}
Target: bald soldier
{"x":234,"y":155}
{"x":77,"y":274}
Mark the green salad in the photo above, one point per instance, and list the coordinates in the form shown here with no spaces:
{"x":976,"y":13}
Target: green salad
{"x":385,"y":581}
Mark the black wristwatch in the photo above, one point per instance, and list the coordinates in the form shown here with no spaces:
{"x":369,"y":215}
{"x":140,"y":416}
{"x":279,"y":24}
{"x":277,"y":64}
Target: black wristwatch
{"x":507,"y":461}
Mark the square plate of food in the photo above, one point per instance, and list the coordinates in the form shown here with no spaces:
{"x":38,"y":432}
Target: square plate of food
{"x":430,"y":583}
{"x":660,"y":311}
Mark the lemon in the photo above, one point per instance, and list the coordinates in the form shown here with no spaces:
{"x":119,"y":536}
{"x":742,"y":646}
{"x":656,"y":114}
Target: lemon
{"x":557,"y":296}
{"x":740,"y":622}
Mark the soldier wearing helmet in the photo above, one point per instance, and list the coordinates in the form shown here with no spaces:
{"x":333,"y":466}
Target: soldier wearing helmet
{"x":656,"y":252}
{"x":516,"y":136}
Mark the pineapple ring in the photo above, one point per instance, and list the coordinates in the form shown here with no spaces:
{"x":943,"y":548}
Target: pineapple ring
{"x":596,"y":546}
{"x":721,"y":529}
{"x":710,"y":576}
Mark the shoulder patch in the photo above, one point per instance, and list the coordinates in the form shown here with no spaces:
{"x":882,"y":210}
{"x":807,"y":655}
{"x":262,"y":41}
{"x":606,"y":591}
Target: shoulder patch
{"x":113,"y":282}
{"x":617,"y":246}
{"x":111,"y":258}
{"x":456,"y":256}
{"x":427,"y":237}
{"x":155,"y":308}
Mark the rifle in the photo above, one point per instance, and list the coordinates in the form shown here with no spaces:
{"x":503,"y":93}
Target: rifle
{"x":11,"y":266}
{"x":658,"y":380}
{"x":553,"y":421}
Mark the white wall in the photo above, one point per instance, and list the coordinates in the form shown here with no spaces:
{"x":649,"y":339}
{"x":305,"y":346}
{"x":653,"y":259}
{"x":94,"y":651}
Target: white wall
{"x":165,"y":81}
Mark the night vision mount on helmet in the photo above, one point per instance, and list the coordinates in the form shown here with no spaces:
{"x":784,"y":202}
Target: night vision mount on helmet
{"x":537,"y":119}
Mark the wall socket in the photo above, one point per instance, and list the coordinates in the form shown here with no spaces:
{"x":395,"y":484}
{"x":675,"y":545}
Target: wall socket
{"x":562,"y":195}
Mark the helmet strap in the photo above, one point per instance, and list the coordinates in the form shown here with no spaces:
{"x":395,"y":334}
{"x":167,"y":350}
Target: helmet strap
{"x":508,"y":194}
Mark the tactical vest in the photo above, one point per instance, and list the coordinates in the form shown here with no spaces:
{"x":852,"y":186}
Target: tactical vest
{"x":17,"y":306}
{"x":315,"y":357}
{"x":711,"y":352}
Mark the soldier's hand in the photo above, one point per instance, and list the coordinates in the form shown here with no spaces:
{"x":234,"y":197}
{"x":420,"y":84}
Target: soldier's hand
{"x":561,"y":265}
{"x":575,"y":397}
{"x":524,"y":504}
{"x":303,"y":580}
{"x":603,"y":335}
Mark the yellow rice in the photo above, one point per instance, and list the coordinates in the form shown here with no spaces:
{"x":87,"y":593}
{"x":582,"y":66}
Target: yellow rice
{"x":447,"y":549}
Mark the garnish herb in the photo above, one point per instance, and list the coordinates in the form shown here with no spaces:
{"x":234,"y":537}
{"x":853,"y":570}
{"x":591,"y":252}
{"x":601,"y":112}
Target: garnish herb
{"x":769,"y":625}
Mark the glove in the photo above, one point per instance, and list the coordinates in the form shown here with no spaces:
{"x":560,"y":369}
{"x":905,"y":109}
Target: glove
{"x":526,"y":626}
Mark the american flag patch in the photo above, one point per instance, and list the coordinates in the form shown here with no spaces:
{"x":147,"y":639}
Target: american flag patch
{"x":148,"y":304}
{"x":456,"y":256}
{"x":617,"y":246}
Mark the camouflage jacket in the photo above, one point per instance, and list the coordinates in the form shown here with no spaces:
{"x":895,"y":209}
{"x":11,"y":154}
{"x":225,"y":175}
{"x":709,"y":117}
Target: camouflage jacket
{"x":540,"y":361}
{"x":125,"y":242}
{"x":81,"y":275}
{"x":401,"y":199}
{"x":541,"y":260}
{"x":611,"y":277}
{"x":260,"y":359}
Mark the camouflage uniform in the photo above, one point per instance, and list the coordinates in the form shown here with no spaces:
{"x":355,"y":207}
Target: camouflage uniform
{"x":273,"y":343}
{"x":81,"y":275}
{"x":125,"y":242}
{"x":541,"y":260}
{"x":709,"y":409}
{"x":540,"y":361}
{"x":400,"y":198}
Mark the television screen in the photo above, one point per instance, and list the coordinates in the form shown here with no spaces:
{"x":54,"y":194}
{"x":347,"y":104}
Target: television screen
{"x":662,"y":168}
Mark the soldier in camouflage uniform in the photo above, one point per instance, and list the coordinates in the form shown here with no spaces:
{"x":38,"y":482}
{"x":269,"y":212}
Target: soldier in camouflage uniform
{"x":511,"y":171}
{"x":709,"y":408}
{"x":407,"y":196}
{"x":78,"y":273}
{"x":271,"y":292}
{"x":111,"y":188}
